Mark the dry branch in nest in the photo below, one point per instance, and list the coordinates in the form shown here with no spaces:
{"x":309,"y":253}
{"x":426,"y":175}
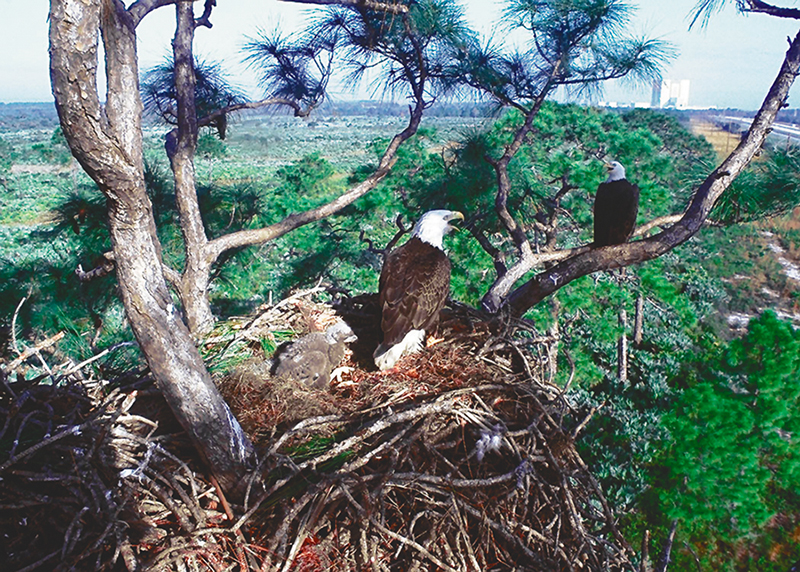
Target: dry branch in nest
{"x":455,"y":460}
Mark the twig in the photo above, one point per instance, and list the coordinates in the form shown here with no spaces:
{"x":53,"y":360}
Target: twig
{"x":457,"y":483}
{"x":74,"y":430}
{"x":501,"y":530}
{"x":14,"y":324}
{"x":224,"y":501}
{"x":586,"y":420}
{"x":69,"y":542}
{"x":44,"y":344}
{"x":465,"y":535}
{"x":402,"y":230}
{"x":39,"y":562}
{"x":84,"y":363}
{"x":302,"y":532}
{"x":412,"y":544}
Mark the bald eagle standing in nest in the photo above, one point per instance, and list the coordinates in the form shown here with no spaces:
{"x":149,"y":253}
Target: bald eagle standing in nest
{"x":414,"y":285}
{"x":615,"y":208}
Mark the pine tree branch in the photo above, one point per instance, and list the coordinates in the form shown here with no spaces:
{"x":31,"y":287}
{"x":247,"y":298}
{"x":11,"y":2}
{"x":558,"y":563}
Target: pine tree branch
{"x":756,"y":6}
{"x":141,"y":8}
{"x":251,"y":237}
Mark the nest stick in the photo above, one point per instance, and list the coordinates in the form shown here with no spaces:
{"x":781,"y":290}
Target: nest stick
{"x":412,"y":544}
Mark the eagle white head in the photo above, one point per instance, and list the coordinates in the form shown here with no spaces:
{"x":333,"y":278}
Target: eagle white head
{"x":433,"y":225}
{"x":616,"y":171}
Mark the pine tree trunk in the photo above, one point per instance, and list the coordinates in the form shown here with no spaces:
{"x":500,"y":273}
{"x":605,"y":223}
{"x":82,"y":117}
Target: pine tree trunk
{"x":638,"y":321}
{"x":622,"y":348}
{"x":197,"y":269}
{"x":108,"y":144}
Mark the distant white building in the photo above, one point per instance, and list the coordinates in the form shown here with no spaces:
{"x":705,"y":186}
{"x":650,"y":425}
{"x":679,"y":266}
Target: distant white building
{"x":670,"y":93}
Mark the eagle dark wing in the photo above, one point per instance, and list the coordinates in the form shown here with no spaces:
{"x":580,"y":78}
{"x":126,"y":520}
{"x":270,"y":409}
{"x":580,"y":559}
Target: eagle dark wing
{"x":616,"y":206}
{"x":414,"y":285}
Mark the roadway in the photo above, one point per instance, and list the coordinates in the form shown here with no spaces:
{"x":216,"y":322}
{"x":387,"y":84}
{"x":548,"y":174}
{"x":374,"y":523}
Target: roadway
{"x":780,"y":131}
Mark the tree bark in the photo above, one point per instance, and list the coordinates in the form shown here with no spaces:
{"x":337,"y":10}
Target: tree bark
{"x":638,"y":321}
{"x":622,"y":347}
{"x":107,"y":142}
{"x":197,"y":270}
{"x":501,"y":287}
{"x":706,"y":196}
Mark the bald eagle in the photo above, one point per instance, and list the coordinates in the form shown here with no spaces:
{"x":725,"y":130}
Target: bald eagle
{"x":615,"y":207}
{"x":414,"y":285}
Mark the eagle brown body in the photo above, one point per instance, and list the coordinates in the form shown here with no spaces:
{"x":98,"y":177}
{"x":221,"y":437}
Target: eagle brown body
{"x":414,"y":286}
{"x":616,"y":206}
{"x":412,"y":300}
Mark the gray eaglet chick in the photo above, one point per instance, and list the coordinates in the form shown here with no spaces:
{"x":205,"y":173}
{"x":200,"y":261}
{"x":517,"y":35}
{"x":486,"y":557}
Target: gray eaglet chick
{"x":311,"y":359}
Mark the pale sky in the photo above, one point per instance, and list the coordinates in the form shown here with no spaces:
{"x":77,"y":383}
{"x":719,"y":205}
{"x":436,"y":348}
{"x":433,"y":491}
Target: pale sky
{"x":731,"y":63}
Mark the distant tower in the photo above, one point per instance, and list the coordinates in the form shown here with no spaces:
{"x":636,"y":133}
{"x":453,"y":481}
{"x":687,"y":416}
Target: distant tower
{"x":683,"y":97}
{"x":655,"y":97}
{"x":670,"y":93}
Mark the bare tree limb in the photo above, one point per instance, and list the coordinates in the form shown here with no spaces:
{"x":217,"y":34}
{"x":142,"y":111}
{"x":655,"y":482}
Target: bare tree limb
{"x":141,"y":8}
{"x":756,"y":6}
{"x":498,"y":256}
{"x":299,"y":111}
{"x":660,"y":221}
{"x":107,"y":141}
{"x":105,"y":268}
{"x":28,"y":352}
{"x":496,"y":294}
{"x":204,"y":19}
{"x":258,"y":236}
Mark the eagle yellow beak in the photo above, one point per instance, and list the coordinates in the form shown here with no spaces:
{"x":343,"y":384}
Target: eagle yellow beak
{"x":455,"y":215}
{"x":608,"y":165}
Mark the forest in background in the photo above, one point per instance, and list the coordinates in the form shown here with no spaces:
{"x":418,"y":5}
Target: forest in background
{"x":698,"y":429}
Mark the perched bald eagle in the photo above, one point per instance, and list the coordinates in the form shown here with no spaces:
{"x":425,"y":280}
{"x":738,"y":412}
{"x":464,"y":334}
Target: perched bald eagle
{"x":414,"y":285}
{"x":615,"y":208}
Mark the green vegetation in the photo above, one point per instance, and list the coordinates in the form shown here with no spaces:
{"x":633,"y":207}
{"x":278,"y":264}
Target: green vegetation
{"x":703,"y":430}
{"x":732,"y":462}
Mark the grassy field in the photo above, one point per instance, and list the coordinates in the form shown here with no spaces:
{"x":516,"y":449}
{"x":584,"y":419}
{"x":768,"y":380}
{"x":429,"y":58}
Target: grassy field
{"x":723,"y":141}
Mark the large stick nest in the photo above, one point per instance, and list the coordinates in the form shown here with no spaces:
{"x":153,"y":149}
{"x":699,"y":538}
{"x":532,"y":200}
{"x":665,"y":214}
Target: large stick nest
{"x":459,"y":459}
